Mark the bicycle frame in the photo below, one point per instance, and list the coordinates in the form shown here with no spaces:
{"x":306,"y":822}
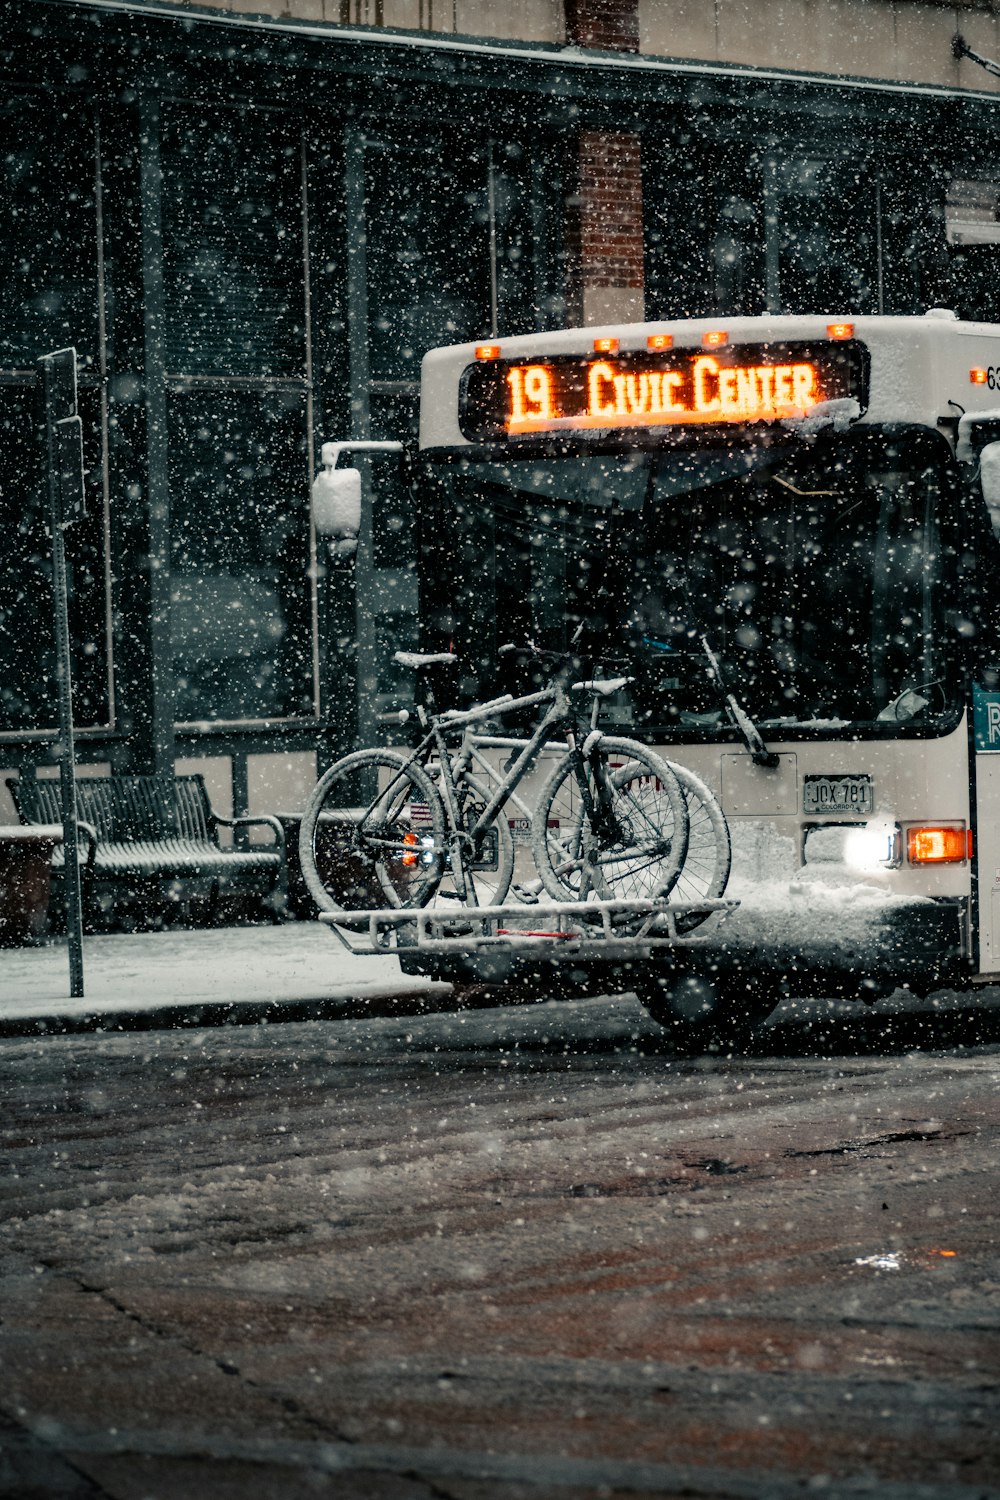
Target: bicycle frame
{"x":452,"y":767}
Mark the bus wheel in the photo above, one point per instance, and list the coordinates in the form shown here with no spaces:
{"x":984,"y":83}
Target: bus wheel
{"x":703,"y":1014}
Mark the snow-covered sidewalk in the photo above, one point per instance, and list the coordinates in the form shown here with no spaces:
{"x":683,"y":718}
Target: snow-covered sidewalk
{"x":187,"y":977}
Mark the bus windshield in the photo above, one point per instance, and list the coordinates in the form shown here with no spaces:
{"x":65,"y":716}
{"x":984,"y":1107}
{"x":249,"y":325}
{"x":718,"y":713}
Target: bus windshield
{"x":813,"y":570}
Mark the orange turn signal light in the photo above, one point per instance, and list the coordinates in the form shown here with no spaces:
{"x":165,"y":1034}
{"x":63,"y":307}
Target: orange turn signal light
{"x":487,"y":351}
{"x":660,"y":341}
{"x":978,"y":377}
{"x":412,"y":842}
{"x":939,"y":844}
{"x":840,"y":330}
{"x":715,"y":338}
{"x":606,"y":346}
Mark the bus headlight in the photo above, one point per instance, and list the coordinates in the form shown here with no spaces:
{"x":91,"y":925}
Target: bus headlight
{"x":858,"y":846}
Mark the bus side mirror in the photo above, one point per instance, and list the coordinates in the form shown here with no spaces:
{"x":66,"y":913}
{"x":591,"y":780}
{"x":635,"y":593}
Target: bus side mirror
{"x":336,"y":507}
{"x":989,"y":478}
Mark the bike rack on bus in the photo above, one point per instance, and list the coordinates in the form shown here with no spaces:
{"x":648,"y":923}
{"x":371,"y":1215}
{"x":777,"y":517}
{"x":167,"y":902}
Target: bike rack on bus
{"x":573,"y":929}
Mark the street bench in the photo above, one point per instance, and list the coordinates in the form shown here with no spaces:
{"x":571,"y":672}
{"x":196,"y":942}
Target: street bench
{"x":143,"y":835}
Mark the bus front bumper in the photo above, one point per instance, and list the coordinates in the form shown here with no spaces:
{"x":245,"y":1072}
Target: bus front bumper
{"x":857,"y":949}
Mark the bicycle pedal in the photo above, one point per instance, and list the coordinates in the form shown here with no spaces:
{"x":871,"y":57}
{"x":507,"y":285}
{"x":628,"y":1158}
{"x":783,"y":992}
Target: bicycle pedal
{"x":525,"y":896}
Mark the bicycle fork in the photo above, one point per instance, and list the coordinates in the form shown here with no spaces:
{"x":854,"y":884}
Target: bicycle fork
{"x":598,"y":826}
{"x":453,"y":797}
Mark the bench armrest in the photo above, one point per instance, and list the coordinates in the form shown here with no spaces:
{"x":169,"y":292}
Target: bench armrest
{"x":88,"y":833}
{"x":264,"y":820}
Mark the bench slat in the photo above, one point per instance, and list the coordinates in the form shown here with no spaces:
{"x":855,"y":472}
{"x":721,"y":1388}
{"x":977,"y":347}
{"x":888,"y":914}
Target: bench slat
{"x":146,"y":833}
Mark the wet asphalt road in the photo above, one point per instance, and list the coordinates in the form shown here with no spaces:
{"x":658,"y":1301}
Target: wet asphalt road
{"x":510,"y":1253}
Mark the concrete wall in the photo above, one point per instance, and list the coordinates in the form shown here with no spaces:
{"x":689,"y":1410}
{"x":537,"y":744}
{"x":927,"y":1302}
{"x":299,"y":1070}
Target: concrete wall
{"x":509,"y":20}
{"x":905,"y":40}
{"x":520,"y":20}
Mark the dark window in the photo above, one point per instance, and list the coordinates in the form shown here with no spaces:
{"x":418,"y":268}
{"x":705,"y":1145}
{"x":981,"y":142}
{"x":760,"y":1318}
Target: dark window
{"x":28,"y":684}
{"x":972,"y":225}
{"x":428,"y":251}
{"x":240,"y":578}
{"x":48,"y":301}
{"x":235,"y":298}
{"x":232,"y":243}
{"x":734,"y":231}
{"x":48,"y":249}
{"x":826,"y":254}
{"x":704,"y":229}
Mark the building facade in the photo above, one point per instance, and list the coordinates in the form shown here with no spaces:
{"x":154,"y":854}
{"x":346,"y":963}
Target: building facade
{"x":252,"y":220}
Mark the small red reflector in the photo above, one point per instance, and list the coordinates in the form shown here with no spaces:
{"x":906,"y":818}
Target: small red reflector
{"x":487,"y":351}
{"x":840,"y":330}
{"x":605,"y":346}
{"x":715,"y":338}
{"x":941,"y":845}
{"x":514,"y":932}
{"x":660,"y":341}
{"x":978,"y":377}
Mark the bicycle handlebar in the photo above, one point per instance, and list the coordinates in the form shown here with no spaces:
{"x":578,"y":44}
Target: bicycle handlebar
{"x":541,"y":653}
{"x":503,"y":705}
{"x":599,"y":688}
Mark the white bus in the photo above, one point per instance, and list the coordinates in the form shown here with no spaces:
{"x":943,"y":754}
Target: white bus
{"x":811,"y":500}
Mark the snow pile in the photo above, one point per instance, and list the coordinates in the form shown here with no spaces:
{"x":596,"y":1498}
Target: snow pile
{"x":838,"y":414}
{"x":127,"y":973}
{"x":784,"y":903}
{"x":968,"y":451}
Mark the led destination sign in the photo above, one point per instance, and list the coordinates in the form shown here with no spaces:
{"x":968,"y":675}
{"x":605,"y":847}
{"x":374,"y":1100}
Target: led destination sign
{"x":679,"y":388}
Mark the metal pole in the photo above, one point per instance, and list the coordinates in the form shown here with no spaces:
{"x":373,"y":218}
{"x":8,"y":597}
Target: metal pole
{"x":65,"y":471}
{"x":772,"y":232}
{"x":491,"y":198}
{"x":351,"y":648}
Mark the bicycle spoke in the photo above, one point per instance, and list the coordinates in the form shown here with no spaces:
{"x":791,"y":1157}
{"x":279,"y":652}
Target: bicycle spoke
{"x":633,"y":851}
{"x":390,"y":854}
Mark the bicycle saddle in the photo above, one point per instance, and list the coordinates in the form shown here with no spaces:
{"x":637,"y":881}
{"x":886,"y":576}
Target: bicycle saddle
{"x":415,"y":660}
{"x":603,"y":687}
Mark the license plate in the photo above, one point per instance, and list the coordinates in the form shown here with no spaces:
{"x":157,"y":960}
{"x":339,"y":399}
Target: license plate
{"x":823,"y":795}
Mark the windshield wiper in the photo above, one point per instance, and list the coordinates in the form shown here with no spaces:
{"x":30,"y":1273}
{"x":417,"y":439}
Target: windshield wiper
{"x":738,"y":716}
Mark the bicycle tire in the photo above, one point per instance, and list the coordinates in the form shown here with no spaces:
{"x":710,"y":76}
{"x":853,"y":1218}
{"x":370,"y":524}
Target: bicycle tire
{"x":644,"y":858}
{"x":490,"y":886}
{"x":363,"y":847}
{"x":705,"y":872}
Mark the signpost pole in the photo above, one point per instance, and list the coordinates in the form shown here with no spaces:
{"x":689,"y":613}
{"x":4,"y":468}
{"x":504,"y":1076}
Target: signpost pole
{"x":64,"y":438}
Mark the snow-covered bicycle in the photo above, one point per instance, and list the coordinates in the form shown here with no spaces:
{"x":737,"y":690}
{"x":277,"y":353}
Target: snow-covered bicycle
{"x":397,"y":827}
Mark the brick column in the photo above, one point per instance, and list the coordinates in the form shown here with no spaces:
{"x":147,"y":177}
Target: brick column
{"x":607,"y":232}
{"x":610,"y":235}
{"x":612,"y":24}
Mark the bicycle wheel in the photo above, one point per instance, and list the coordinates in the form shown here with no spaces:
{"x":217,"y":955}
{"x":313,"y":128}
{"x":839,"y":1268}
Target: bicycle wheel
{"x":372,"y":834}
{"x":488,"y":876}
{"x":639,"y":853}
{"x":705,"y":872}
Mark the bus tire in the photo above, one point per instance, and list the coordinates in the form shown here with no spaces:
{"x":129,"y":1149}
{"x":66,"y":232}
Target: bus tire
{"x":700,"y":1013}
